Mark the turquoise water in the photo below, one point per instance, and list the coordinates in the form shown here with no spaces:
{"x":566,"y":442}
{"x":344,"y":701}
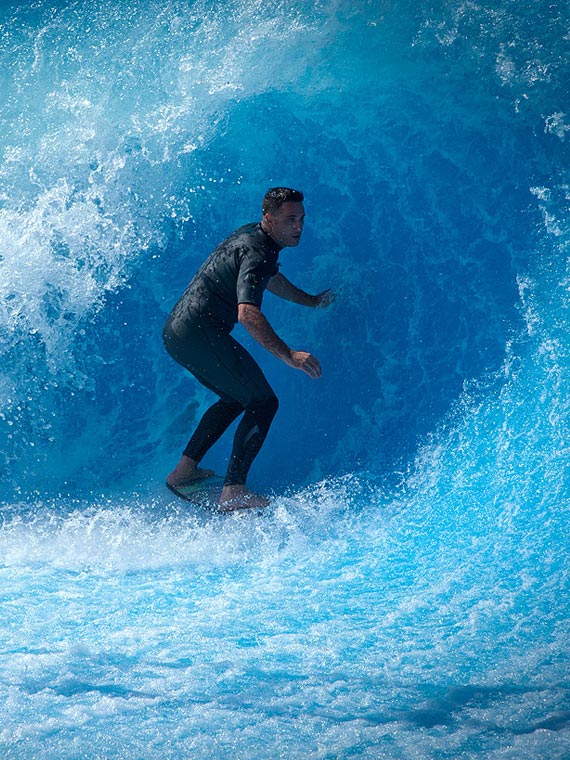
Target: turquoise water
{"x":407,"y":594}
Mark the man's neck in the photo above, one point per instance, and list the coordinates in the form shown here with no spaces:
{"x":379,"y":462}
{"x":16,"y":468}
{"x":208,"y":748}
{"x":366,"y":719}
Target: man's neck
{"x":269,"y":235}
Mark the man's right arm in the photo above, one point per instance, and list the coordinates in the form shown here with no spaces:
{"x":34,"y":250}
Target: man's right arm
{"x":258,"y":327}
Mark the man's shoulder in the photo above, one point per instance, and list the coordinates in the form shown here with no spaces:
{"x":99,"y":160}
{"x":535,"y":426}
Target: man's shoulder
{"x":247,"y":234}
{"x":251,"y":240}
{"x":240,"y":239}
{"x":248,"y":246}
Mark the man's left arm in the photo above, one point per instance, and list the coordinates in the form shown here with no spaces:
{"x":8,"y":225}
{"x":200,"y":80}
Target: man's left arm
{"x":280,"y":286}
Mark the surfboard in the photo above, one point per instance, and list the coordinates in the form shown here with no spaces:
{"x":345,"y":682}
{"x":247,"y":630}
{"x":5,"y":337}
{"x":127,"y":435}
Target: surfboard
{"x":206,"y":493}
{"x":202,"y":493}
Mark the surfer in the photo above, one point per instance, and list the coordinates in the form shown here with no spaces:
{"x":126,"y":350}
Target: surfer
{"x":227,"y":289}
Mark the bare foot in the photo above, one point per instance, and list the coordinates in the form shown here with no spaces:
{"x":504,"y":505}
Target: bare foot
{"x":187,"y":472}
{"x":239,"y":497}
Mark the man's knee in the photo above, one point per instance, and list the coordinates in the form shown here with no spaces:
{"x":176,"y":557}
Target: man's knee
{"x":273,"y":405}
{"x":265,"y":409}
{"x":232,"y":405}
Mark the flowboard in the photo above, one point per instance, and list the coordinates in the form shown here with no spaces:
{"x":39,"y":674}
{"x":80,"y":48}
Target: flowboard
{"x":202,"y":493}
{"x":206,"y":493}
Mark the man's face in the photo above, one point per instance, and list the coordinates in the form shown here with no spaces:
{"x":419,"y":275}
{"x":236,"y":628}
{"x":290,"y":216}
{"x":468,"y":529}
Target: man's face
{"x":286,"y":224}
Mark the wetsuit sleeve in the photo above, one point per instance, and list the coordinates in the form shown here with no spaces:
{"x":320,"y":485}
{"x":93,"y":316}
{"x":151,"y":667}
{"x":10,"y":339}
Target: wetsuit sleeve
{"x":254,"y":273}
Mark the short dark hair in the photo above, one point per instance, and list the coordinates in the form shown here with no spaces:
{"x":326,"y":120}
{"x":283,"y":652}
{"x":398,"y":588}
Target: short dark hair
{"x":277,"y":196}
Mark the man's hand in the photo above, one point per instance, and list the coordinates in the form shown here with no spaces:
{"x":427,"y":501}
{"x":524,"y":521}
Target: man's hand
{"x":306,"y":362}
{"x":324,"y":299}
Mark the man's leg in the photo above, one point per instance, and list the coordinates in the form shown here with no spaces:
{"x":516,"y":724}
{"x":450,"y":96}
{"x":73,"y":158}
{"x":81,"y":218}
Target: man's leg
{"x":222,"y":364}
{"x":215,"y":421}
{"x":248,"y":440}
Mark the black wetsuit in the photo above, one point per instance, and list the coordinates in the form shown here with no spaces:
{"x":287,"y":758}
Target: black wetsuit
{"x":197,"y":336}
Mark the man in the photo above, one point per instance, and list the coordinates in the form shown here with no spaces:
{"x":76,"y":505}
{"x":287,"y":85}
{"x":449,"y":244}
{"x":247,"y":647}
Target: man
{"x":228,"y":289}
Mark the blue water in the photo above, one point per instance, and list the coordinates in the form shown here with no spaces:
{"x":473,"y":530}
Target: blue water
{"x":407,"y":594}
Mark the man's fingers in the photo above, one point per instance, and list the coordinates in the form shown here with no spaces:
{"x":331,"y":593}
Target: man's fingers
{"x":312,"y":366}
{"x":307,"y":362}
{"x":326,"y":298}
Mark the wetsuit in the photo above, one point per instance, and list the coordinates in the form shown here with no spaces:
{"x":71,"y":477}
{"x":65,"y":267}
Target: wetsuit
{"x":197,"y":336}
